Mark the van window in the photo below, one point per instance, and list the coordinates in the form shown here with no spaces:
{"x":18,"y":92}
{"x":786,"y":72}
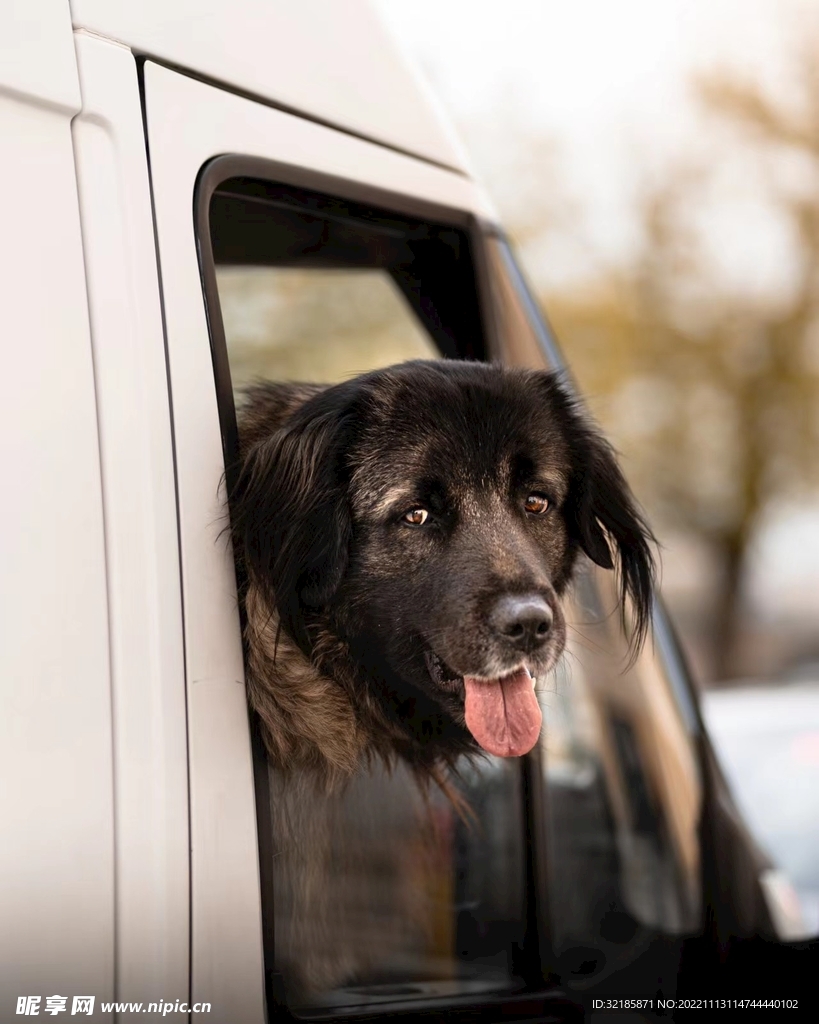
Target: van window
{"x":394,"y":895}
{"x":577,"y":859}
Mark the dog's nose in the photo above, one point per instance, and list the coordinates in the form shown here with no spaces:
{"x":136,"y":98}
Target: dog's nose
{"x":525,"y":619}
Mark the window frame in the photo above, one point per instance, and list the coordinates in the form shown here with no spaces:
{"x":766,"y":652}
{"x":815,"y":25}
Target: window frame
{"x":212,"y":175}
{"x":537,"y":955}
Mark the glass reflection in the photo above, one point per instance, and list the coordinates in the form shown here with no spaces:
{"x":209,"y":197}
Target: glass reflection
{"x":624,"y":793}
{"x":383,"y":892}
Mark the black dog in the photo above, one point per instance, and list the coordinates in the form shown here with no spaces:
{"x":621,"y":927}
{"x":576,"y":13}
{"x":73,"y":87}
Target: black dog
{"x":406,"y":537}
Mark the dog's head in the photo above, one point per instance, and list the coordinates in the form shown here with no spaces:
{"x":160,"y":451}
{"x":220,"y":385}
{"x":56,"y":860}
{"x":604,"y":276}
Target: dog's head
{"x":429,"y":516}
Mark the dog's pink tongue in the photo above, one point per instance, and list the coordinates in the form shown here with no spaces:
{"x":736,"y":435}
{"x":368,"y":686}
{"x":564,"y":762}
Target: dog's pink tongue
{"x":503,"y":714}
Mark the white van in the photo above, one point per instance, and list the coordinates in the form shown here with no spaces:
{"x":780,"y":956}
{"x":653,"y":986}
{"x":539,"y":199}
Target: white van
{"x":197,"y":192}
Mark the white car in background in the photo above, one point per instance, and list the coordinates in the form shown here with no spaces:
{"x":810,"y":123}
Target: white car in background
{"x":767,"y":739}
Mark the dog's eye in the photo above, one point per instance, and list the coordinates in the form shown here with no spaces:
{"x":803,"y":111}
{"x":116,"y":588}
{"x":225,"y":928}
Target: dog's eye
{"x":415,"y":517}
{"x":537,"y":504}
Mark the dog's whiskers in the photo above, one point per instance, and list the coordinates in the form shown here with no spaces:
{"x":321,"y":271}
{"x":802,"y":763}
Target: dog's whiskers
{"x":588,"y":643}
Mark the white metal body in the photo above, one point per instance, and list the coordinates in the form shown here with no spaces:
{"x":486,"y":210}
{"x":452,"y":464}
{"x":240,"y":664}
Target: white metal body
{"x":128,"y":867}
{"x":328,"y":60}
{"x":56,"y":771}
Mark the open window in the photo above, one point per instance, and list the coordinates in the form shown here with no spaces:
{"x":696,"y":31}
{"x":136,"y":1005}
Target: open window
{"x":579,"y":857}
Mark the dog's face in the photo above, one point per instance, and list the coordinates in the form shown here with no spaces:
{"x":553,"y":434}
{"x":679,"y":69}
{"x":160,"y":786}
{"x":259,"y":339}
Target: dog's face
{"x":429,"y":516}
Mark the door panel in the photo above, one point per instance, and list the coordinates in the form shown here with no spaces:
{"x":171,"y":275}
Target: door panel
{"x":56,"y":797}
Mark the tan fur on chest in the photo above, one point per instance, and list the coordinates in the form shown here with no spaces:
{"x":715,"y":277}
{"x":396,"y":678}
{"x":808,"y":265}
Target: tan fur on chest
{"x":308,"y":721}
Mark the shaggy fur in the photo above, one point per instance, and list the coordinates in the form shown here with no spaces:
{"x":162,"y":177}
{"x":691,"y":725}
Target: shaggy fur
{"x":347,"y":603}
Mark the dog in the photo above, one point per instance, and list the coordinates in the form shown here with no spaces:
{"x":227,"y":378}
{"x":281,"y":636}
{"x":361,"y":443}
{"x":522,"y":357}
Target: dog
{"x":406,"y":537}
{"x":404,"y":540}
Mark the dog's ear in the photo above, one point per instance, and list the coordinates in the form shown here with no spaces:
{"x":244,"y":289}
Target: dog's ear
{"x":610,"y":527}
{"x":602,"y":514}
{"x":290,"y":516}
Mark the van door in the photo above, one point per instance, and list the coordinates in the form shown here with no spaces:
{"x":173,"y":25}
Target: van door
{"x":291,"y":250}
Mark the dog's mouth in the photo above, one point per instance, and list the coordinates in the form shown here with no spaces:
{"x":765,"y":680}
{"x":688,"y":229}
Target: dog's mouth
{"x":502,"y":714}
{"x":443,"y":676}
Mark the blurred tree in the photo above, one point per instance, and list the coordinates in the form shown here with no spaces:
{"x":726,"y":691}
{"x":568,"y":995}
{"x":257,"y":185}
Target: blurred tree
{"x":710,"y":393}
